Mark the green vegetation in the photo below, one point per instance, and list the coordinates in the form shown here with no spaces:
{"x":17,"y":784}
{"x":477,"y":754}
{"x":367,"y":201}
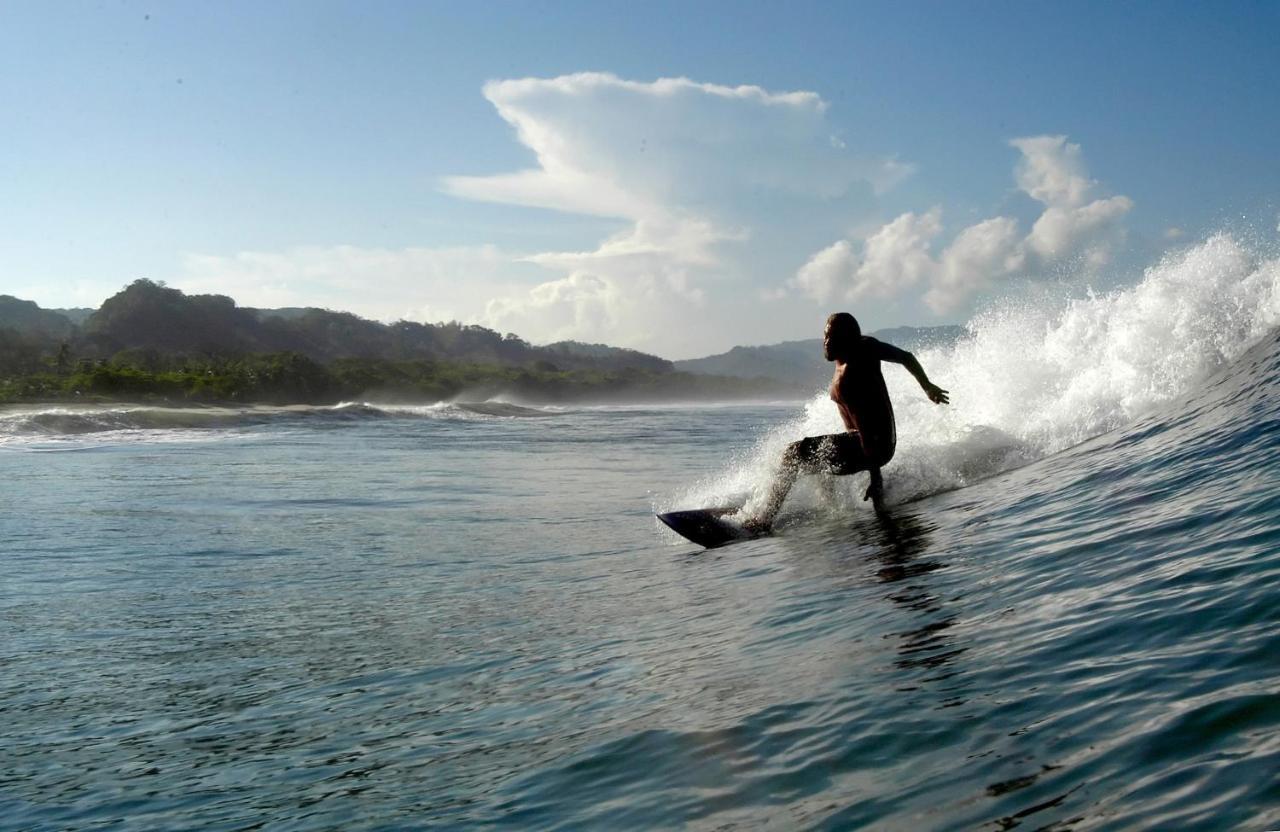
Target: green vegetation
{"x":290,"y":378}
{"x":150,"y":342}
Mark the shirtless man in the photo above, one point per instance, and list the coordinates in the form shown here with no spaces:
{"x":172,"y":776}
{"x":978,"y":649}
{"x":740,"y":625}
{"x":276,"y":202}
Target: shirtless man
{"x":860,"y":395}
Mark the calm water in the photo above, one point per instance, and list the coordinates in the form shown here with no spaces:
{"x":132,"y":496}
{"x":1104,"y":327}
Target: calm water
{"x":378,"y":618}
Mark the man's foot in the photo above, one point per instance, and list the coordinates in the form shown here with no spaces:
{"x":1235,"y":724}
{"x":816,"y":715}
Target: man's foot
{"x":756,"y":527}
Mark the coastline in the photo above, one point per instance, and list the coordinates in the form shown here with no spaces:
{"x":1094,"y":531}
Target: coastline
{"x":323,"y":386}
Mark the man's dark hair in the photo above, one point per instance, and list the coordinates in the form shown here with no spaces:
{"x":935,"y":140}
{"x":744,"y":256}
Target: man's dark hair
{"x":846,"y":325}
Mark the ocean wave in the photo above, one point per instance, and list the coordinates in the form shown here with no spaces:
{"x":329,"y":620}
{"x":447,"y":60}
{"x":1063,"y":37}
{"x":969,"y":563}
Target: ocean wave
{"x":77,"y":421}
{"x":1033,"y":379}
{"x":451,"y":411}
{"x":492,"y":409}
{"x":34,"y":423}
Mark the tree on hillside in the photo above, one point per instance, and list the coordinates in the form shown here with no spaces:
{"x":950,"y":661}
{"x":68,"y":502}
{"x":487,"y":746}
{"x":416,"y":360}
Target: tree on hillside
{"x":150,"y":315}
{"x":148,"y":319}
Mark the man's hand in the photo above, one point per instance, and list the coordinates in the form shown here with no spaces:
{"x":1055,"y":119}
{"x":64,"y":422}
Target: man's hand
{"x":935,"y":393}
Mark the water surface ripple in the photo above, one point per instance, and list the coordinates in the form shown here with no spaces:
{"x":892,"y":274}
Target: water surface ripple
{"x":412,"y":619}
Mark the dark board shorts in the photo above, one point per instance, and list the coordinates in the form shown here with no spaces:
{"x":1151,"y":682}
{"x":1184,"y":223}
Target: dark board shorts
{"x":836,"y":453}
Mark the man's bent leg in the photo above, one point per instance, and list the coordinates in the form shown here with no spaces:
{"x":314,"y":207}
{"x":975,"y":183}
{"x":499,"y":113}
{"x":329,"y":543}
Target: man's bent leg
{"x":793,"y":459}
{"x":811,"y":455}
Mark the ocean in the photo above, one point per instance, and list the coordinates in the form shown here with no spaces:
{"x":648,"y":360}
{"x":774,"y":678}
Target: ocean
{"x":465,"y":615}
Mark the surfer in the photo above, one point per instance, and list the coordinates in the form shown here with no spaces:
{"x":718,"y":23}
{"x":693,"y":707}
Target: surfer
{"x":860,"y":395}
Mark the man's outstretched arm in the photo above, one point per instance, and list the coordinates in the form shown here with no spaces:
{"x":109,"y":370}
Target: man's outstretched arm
{"x":936,"y":394}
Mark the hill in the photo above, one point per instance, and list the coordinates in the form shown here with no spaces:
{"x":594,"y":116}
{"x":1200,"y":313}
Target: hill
{"x":77,"y":315}
{"x":25,"y":318}
{"x":802,"y":361}
{"x":148,"y":317}
{"x":153,"y":342}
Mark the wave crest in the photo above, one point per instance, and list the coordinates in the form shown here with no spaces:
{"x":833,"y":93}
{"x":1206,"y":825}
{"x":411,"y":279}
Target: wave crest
{"x":144,"y":422}
{"x":1032,"y":379}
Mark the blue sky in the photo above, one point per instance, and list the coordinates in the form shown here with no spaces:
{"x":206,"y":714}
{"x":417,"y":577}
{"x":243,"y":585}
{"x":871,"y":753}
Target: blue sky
{"x":911,"y":163}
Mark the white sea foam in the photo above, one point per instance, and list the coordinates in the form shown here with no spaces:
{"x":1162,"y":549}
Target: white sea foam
{"x":90,"y":425}
{"x":1034,"y":378}
{"x":481,"y":410}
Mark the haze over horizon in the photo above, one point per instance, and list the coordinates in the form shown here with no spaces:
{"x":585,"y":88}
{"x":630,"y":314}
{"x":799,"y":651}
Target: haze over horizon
{"x":671,"y":179}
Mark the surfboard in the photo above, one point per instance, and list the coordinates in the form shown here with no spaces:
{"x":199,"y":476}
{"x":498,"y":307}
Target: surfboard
{"x":707,"y":527}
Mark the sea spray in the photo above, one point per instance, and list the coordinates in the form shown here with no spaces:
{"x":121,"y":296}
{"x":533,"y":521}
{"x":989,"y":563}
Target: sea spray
{"x":1034,"y":378}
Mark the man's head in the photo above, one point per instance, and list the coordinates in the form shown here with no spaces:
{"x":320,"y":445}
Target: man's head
{"x":840,"y":337}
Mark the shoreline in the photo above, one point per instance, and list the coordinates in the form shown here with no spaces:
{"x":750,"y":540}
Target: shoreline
{"x":361,"y":401}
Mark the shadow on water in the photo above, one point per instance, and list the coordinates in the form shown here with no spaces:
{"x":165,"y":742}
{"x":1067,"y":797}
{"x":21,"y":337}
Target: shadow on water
{"x":906,"y":549}
{"x":901,"y":545}
{"x":904,"y":540}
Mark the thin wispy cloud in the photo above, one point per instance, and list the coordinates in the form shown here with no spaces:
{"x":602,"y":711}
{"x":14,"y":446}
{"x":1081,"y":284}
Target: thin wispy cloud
{"x":420,"y":284}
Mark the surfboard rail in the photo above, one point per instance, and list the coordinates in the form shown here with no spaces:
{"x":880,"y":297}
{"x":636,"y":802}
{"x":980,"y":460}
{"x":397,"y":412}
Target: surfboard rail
{"x":707,"y":526}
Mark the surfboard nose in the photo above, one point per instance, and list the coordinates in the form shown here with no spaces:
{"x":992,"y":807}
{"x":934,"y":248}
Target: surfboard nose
{"x":706,"y":526}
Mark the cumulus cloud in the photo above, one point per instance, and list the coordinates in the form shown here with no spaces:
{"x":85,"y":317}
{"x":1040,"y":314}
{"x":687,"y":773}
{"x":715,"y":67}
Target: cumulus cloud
{"x":638,"y":311}
{"x":1051,"y":171}
{"x":899,"y":256}
{"x":827,"y":274}
{"x":695,"y":172}
{"x":480,"y":284}
{"x":582,"y":305}
{"x":691,"y":166}
{"x":1062,"y":231}
{"x":976,"y":258}
{"x":619,"y":148}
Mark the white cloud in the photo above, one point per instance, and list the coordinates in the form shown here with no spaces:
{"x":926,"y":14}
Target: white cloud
{"x":976,"y":258}
{"x":612,"y":147}
{"x":1174,"y":233}
{"x":663,"y":314}
{"x":888,"y":174}
{"x":384,"y":284}
{"x":896,"y":257}
{"x":694,"y":167}
{"x":581,"y":306}
{"x":899,"y":255}
{"x":1060,"y":231}
{"x":827,"y":274}
{"x":1051,"y":170}
{"x":481,"y":285}
{"x":689,"y":241}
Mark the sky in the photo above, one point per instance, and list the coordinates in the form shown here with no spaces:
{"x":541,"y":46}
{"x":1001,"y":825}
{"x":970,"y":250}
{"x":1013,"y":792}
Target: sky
{"x":674,"y":177}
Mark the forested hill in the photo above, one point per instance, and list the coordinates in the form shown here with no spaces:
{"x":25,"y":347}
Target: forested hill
{"x":150,"y":341}
{"x":25,"y":318}
{"x":148,"y":318}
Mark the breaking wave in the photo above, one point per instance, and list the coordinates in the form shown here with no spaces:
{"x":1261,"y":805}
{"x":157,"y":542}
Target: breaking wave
{"x":27,"y":424}
{"x":493,"y":409}
{"x":1033,"y":379}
